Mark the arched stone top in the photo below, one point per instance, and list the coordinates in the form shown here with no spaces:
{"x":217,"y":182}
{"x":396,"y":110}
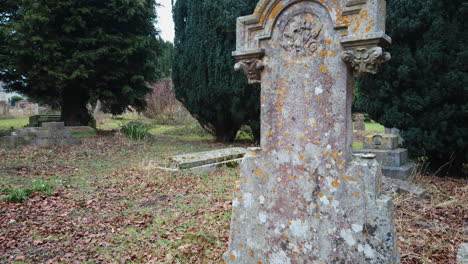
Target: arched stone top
{"x":361,"y":24}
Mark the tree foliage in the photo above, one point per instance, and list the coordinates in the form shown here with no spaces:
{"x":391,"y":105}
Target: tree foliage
{"x":423,"y":89}
{"x":204,"y":78}
{"x":69,"y":53}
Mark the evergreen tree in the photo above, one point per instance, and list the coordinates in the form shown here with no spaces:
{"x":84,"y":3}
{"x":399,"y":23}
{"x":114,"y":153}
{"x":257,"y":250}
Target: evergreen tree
{"x":423,"y":89}
{"x":68,"y":53}
{"x":203,"y":71}
{"x":164,"y":62}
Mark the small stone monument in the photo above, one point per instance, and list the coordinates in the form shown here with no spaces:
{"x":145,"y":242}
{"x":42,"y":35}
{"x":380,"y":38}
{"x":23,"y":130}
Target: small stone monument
{"x":303,"y":198}
{"x":51,"y":133}
{"x":394,"y":160}
{"x":359,"y":124}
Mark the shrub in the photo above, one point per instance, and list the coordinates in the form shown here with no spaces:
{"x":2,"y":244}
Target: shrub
{"x":136,"y":130}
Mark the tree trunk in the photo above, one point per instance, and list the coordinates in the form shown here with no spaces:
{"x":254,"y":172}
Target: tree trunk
{"x":74,"y":110}
{"x":226,"y":131}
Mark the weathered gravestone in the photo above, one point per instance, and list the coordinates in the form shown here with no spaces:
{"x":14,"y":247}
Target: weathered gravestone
{"x":302,"y":198}
{"x":359,"y":124}
{"x":392,"y":158}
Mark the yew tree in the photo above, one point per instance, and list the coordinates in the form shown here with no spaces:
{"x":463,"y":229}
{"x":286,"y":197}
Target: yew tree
{"x":203,"y":70}
{"x":71,"y":53}
{"x":423,"y":89}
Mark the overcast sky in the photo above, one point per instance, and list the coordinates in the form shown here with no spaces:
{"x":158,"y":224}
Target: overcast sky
{"x":165,"y":23}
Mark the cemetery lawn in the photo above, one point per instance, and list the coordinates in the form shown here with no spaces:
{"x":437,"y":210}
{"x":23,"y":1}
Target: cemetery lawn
{"x":105,"y":202}
{"x":15,"y":123}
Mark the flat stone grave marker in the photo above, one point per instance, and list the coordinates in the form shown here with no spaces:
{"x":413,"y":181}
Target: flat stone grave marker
{"x":207,"y":160}
{"x":303,"y":198}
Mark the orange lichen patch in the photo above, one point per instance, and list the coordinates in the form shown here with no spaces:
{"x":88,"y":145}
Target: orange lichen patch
{"x":318,"y":214}
{"x":335,"y":183}
{"x":352,"y":179}
{"x":290,"y":176}
{"x":289,"y":223}
{"x":251,"y":255}
{"x":286,"y":133}
{"x":345,"y":178}
{"x":289,"y":148}
{"x":274,"y":191}
{"x":302,"y":138}
{"x":238,"y":183}
{"x":320,"y":195}
{"x":323,"y":68}
{"x":281,"y":91}
{"x":316,"y":142}
{"x":297,"y":177}
{"x":258,"y":172}
{"x":236,"y":190}
{"x":238,"y":232}
{"x":368,"y":28}
{"x":328,"y":41}
{"x":329,"y":198}
{"x":358,"y":175}
{"x":335,"y":155}
{"x":232,"y":257}
{"x":241,"y":245}
{"x":245,"y":181}
{"x":314,"y":124}
{"x":265,"y":176}
{"x":356,"y":194}
{"x":240,"y":197}
{"x":321,"y":178}
{"x":268,"y":134}
{"x":259,"y":262}
{"x":301,"y":157}
{"x":326,"y":153}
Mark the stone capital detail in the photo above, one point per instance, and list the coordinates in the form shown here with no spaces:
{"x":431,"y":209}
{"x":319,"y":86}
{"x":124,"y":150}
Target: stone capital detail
{"x":365,"y":61}
{"x":252,"y":68}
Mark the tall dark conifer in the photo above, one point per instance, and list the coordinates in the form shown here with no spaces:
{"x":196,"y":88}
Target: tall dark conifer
{"x":423,"y":89}
{"x":69,"y":53}
{"x":203,"y":72}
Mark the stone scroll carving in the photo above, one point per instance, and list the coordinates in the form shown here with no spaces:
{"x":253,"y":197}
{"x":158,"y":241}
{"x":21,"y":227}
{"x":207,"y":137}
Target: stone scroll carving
{"x":365,"y":61}
{"x":252,"y":68}
{"x":300,"y":34}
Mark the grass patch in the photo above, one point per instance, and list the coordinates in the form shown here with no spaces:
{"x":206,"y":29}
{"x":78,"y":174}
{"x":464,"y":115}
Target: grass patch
{"x":376,"y":127}
{"x":358,"y":145}
{"x":21,"y":194}
{"x":13,"y":122}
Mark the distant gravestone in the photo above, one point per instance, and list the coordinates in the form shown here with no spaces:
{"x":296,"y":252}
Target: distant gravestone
{"x":359,"y":124}
{"x":393,"y":159}
{"x":302,"y":198}
{"x":51,"y":133}
{"x":4,"y":106}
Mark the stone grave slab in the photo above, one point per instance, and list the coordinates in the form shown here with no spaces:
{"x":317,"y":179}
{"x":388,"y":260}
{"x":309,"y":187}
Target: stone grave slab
{"x":303,"y":197}
{"x":51,"y":133}
{"x":207,"y":160}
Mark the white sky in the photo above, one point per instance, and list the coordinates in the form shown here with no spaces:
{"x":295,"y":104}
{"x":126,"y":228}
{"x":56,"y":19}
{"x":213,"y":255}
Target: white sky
{"x":165,"y":23}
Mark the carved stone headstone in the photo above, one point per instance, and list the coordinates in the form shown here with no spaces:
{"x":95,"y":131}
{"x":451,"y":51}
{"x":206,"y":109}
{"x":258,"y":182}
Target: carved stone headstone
{"x":303,"y":198}
{"x":359,"y":124}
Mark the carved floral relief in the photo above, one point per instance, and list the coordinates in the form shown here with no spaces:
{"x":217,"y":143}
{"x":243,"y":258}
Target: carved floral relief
{"x":300,"y":34}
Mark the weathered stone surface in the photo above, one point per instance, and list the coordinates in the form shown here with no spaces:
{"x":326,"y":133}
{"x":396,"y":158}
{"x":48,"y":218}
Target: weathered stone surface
{"x":394,"y":185}
{"x":389,"y":158}
{"x":396,"y":132}
{"x":302,"y":198}
{"x":207,"y":161}
{"x":462,"y":255}
{"x":359,"y":124}
{"x":401,"y":173}
{"x":53,"y":133}
{"x":381,"y":141}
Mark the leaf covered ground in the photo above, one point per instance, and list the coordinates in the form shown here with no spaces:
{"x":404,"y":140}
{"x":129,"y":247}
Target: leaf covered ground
{"x":110,"y":204}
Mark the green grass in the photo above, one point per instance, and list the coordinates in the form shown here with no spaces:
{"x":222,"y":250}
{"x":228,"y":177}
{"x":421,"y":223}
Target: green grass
{"x":372,"y":126}
{"x":20,"y":194}
{"x":16,"y":123}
